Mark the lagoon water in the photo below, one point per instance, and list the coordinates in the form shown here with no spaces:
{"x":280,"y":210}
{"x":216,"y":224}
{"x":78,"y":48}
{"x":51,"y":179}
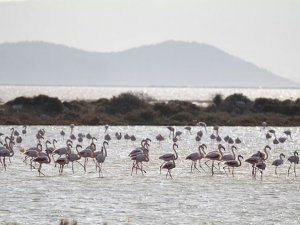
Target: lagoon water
{"x":119,"y":198}
{"x":158,"y":93}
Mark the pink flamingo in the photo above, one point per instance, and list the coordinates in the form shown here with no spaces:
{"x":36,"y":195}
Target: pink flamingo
{"x":42,"y":160}
{"x":169,"y":156}
{"x":169,"y":165}
{"x":233,"y":164}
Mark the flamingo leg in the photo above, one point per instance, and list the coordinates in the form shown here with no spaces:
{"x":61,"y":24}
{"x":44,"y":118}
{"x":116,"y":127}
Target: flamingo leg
{"x":289,"y":169}
{"x":100,"y":169}
{"x":212,"y":167}
{"x":219,"y":165}
{"x":39,"y":170}
{"x":295,"y":169}
{"x":196,"y":167}
{"x":161,"y":166}
{"x":25,"y":159}
{"x":225,"y":170}
{"x":201,"y":166}
{"x":4,"y":164}
{"x":85,"y":162}
{"x":73,"y":167}
{"x":207,"y":164}
{"x":142,"y":168}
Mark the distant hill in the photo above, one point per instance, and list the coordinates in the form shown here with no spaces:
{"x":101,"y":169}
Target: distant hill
{"x":166,"y":64}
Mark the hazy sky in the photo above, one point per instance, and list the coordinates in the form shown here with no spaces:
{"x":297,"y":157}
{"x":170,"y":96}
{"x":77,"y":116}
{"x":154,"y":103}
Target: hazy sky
{"x":264,"y":32}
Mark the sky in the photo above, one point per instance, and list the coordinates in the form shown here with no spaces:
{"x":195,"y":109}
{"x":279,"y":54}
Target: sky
{"x":264,"y":32}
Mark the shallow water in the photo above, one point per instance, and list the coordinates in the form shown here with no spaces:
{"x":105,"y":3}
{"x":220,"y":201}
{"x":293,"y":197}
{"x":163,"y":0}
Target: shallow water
{"x":119,"y":198}
{"x":9,"y":92}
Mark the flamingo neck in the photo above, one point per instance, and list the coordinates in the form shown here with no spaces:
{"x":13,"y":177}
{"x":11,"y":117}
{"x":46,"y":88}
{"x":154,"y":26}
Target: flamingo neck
{"x":233,"y":153}
{"x":267,"y":155}
{"x":240,"y":162}
{"x":220,"y":151}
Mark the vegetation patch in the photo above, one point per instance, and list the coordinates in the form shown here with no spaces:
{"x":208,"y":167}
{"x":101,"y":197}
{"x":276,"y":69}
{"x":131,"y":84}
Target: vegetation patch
{"x":139,"y":109}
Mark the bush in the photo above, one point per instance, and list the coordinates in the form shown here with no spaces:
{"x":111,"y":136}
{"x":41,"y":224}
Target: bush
{"x":124,"y":103}
{"x":40,"y":104}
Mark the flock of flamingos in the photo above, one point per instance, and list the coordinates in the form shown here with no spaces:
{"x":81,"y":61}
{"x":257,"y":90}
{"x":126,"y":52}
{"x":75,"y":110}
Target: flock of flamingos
{"x":45,"y":151}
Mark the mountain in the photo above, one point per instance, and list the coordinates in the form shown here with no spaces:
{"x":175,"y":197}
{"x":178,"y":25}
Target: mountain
{"x":169,"y":63}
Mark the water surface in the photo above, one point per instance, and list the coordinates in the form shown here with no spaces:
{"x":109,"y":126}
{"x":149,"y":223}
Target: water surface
{"x":159,"y":93}
{"x":119,"y":198}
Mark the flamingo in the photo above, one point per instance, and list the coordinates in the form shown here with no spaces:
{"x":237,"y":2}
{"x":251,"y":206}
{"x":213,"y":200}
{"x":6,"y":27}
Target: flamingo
{"x":107,"y":137}
{"x":118,"y":135}
{"x":139,"y":151}
{"x":100,"y":158}
{"x":253,"y":160}
{"x":24,"y":131}
{"x":198,"y":138}
{"x":127,"y":137}
{"x":228,"y":157}
{"x":238,"y":141}
{"x":132,"y":138}
{"x":172,"y":130}
{"x":288,"y":133}
{"x":62,"y":133}
{"x":89,"y":136}
{"x":215,"y":155}
{"x":96,"y":153}
{"x":7,"y":151}
{"x":106,"y":128}
{"x":195,"y":156}
{"x":293,"y":159}
{"x":169,"y":156}
{"x":278,"y":162}
{"x":51,"y":149}
{"x":87,"y":153}
{"x":160,"y":138}
{"x":189,"y":129}
{"x":72,"y":137}
{"x":32,"y":153}
{"x":74,"y":157}
{"x":233,"y":164}
{"x":218,"y":138}
{"x":200,"y":133}
{"x":42,"y":160}
{"x":264,"y":156}
{"x":63,"y":150}
{"x":139,"y":159}
{"x":62,"y":162}
{"x":169,"y":165}
{"x":261,"y":166}
{"x":264,"y":124}
{"x":257,"y":158}
{"x":203,"y":124}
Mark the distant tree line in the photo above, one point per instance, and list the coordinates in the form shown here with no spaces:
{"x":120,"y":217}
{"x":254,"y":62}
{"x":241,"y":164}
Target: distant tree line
{"x":138,"y":109}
